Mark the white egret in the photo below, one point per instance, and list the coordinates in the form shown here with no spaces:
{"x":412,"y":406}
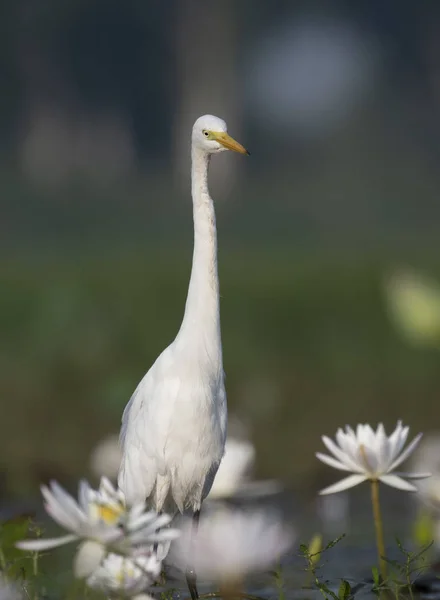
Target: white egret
{"x":174,"y":427}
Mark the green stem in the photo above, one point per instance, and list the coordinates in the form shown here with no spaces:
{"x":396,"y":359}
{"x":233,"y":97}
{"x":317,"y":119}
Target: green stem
{"x":379,"y":528}
{"x":279,"y":582}
{"x":35,"y":557}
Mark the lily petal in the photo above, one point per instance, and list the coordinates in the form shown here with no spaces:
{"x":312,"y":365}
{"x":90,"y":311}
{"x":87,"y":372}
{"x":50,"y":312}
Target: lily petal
{"x":394,"y":441}
{"x":368,"y":458}
{"x":84,"y":496}
{"x":88,"y":558}
{"x":156,"y":523}
{"x":106,"y":486}
{"x":55,"y":511}
{"x":397,"y":482}
{"x":344,"y":484}
{"x":136,"y":511}
{"x":349,"y":445}
{"x":340,"y":454}
{"x":399,"y":460}
{"x":402,"y":439}
{"x":383,"y":448}
{"x":45,"y":544}
{"x":414,"y":475}
{"x":332,"y":462}
{"x":149,"y":520}
{"x":55,"y":494}
{"x":58,"y":512}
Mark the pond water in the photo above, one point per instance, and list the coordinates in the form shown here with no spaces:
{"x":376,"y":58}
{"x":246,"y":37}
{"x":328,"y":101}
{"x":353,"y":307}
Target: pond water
{"x":351,"y":558}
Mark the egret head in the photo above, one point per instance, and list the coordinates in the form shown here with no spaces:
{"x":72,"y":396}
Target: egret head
{"x":210,"y":134}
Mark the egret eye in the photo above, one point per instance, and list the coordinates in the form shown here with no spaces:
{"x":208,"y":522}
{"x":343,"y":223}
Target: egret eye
{"x":205,"y":133}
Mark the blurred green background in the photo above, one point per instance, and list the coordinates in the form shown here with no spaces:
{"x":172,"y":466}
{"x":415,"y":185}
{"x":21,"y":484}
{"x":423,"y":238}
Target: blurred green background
{"x":340,"y":106}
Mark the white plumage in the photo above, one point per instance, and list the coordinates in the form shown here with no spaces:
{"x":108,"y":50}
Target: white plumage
{"x":174,"y":427}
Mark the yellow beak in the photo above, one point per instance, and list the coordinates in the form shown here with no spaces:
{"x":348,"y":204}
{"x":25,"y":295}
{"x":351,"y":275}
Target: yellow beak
{"x":228,"y":142}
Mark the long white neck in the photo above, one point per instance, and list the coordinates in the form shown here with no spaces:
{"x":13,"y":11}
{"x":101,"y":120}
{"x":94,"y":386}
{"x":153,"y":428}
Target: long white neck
{"x":202,"y":310}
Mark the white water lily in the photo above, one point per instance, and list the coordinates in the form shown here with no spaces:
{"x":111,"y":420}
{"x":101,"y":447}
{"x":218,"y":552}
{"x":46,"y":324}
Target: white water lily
{"x":233,"y":478}
{"x":235,"y":468}
{"x":370,"y":455}
{"x":107,"y":495}
{"x":125,"y":576}
{"x":101,"y":521}
{"x":231,"y":543}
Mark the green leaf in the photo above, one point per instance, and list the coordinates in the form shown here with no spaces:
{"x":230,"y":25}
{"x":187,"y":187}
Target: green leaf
{"x":13,"y":530}
{"x":326,"y":591}
{"x":334,"y":542}
{"x":376,"y":577}
{"x":344,"y":590}
{"x":395,"y":563}
{"x":422,"y":551}
{"x":10,"y":533}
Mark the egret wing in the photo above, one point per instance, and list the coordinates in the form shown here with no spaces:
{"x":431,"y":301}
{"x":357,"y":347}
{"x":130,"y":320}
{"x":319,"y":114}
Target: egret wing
{"x":145,"y":430}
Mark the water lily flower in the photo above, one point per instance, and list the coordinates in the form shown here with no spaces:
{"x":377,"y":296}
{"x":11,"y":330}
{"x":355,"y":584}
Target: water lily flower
{"x":107,"y":494}
{"x":370,"y":455}
{"x":101,"y":521}
{"x":236,"y":465}
{"x":125,"y":576}
{"x":234,"y":475}
{"x":231,"y":543}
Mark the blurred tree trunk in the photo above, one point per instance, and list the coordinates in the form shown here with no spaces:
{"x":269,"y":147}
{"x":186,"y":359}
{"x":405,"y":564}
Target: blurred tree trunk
{"x":207,"y":80}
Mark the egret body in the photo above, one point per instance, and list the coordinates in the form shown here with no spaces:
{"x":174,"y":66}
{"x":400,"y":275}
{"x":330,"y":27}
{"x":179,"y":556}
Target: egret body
{"x":174,"y":426}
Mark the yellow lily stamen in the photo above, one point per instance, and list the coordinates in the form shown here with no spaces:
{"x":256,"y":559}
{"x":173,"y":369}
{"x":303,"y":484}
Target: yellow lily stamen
{"x":110,"y":514}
